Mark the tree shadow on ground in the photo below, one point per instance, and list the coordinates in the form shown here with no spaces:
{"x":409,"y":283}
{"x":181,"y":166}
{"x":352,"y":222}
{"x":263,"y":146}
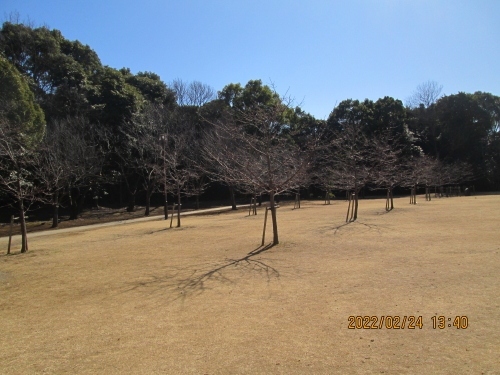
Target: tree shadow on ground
{"x":183,"y":282}
{"x":337,"y":229}
{"x":367,"y":226}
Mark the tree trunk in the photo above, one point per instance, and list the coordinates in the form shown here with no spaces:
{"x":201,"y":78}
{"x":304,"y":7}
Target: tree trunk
{"x":233,"y":200}
{"x":74,"y":195}
{"x":131,"y":191}
{"x":120,"y":195}
{"x":178,"y":207}
{"x":55,"y":205}
{"x":355,"y":204}
{"x":387,"y":200}
{"x":273,"y":216}
{"x":81,"y":201}
{"x":197,"y":201}
{"x":348,"y":206}
{"x":131,"y":202}
{"x":148,"y":200}
{"x":22,"y":220}
{"x":392,"y":198}
{"x":165,"y":205}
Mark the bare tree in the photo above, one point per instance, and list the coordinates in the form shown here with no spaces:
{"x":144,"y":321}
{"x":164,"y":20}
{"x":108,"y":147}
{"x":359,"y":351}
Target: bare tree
{"x":180,"y":88}
{"x":449,"y":175}
{"x":352,"y":162}
{"x":144,"y":143}
{"x":428,"y":172}
{"x":70,"y":160}
{"x":419,"y":171}
{"x":55,"y":168}
{"x":200,"y":93}
{"x":164,"y":145}
{"x":253,"y":151}
{"x":181,"y":146}
{"x":195,"y":93}
{"x":389,"y":166}
{"x":426,"y":94}
{"x":17,"y":165}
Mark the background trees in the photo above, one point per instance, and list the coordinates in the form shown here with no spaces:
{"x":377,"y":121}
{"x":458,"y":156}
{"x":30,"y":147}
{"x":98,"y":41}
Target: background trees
{"x":122,"y":131}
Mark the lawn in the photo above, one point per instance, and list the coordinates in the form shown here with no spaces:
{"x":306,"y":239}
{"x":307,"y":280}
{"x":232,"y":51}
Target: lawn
{"x":206,"y":299}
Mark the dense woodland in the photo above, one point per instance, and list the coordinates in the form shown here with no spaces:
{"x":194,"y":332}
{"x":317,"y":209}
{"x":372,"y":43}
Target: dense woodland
{"x":73,"y":131}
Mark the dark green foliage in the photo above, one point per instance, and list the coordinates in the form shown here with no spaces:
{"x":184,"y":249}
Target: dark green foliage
{"x":254,"y":93}
{"x":115,"y":99}
{"x":152,"y":88}
{"x":61,"y":72}
{"x":17,"y":106}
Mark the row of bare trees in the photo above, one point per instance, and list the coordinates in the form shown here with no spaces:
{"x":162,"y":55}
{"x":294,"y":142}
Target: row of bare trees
{"x":256,"y":148}
{"x":353,"y":160}
{"x":68,"y":161}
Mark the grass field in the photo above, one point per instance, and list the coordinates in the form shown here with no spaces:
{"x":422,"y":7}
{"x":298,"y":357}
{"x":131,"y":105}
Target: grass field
{"x":206,"y":299}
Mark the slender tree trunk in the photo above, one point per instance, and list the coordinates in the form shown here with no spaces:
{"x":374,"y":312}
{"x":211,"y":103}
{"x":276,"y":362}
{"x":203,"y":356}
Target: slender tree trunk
{"x":148,"y":200}
{"x":165,"y":205}
{"x":55,"y":205}
{"x":178,"y":206}
{"x":197,"y":201}
{"x":120,"y":195}
{"x":233,"y":200}
{"x":273,"y":216}
{"x":131,"y":201}
{"x":392,"y":198}
{"x":355,"y":204}
{"x":387,"y":200}
{"x":131,"y":191}
{"x":22,"y":220}
{"x":74,"y":196}
{"x":348,"y":206}
{"x":80,"y":202}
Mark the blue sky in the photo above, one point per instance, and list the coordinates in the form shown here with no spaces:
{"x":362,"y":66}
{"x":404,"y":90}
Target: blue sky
{"x":319,"y":52}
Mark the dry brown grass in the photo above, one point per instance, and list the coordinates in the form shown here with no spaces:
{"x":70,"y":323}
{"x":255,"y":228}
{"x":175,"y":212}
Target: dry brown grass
{"x":138,"y":298}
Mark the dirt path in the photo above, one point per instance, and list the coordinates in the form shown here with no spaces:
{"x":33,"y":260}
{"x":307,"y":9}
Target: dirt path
{"x":48,"y":232}
{"x":206,"y":299}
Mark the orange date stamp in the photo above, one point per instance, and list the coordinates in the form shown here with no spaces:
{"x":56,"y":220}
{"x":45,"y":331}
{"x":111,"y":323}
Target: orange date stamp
{"x":405,"y":322}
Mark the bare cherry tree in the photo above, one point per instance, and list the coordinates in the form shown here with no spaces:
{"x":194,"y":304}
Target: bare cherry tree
{"x":418,"y":171}
{"x":253,"y":151}
{"x":17,"y":178}
{"x":389,"y":167}
{"x":181,"y":145}
{"x":447,"y":176}
{"x":352,"y":163}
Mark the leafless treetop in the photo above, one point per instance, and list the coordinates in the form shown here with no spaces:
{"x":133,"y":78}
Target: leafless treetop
{"x":426,"y":94}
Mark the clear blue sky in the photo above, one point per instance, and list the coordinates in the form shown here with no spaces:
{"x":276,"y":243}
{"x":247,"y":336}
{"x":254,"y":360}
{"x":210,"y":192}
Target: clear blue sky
{"x":320,"y":52}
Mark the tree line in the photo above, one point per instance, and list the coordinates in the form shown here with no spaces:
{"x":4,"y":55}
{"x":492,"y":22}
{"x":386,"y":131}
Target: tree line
{"x":71,"y":127}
